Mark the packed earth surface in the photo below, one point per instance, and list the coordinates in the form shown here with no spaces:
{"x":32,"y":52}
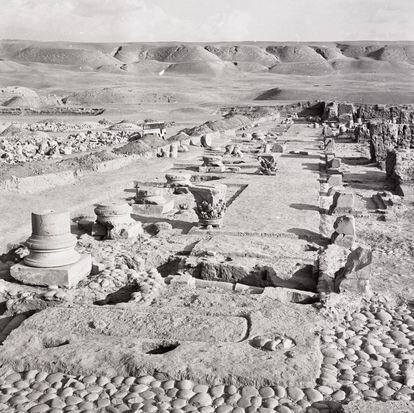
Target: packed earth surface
{"x":252,"y":252}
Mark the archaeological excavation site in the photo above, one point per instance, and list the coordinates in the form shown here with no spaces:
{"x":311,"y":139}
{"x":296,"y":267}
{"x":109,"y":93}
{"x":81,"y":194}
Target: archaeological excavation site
{"x":206,"y":228}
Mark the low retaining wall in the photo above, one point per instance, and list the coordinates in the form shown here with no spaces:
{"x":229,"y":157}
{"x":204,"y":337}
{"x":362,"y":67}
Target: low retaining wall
{"x":38,"y":183}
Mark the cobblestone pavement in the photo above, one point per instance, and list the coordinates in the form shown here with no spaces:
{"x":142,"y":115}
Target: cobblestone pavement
{"x":368,"y":356}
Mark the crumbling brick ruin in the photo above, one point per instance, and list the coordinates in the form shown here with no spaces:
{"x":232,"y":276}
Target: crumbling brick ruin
{"x":385,"y":136}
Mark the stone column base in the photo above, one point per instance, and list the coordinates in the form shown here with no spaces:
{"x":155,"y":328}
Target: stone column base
{"x":66,"y":276}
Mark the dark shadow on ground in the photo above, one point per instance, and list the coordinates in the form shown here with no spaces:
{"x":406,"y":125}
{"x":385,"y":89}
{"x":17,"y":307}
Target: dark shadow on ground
{"x":355,"y":160}
{"x":8,"y":324}
{"x":311,"y":166}
{"x":308,"y":235}
{"x":123,"y":295}
{"x":298,"y":155}
{"x":373,"y":179}
{"x":305,"y":207}
{"x":302,"y":279}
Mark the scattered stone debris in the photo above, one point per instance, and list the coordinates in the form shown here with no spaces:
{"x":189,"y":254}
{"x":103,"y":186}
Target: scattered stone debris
{"x":42,"y":147}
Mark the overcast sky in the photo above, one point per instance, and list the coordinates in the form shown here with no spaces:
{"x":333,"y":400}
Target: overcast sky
{"x":206,"y":20}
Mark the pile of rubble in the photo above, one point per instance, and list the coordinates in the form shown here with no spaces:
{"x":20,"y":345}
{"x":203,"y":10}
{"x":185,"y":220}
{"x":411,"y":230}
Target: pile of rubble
{"x":52,"y":126}
{"x":41,"y":146}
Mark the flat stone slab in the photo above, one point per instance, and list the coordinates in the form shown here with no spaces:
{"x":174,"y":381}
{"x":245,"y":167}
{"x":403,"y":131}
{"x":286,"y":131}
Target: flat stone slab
{"x":151,"y":324}
{"x":191,"y":333}
{"x":65,"y":276}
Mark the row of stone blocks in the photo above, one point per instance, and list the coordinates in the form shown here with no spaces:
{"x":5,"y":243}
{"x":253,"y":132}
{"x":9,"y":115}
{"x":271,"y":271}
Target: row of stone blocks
{"x":344,"y":266}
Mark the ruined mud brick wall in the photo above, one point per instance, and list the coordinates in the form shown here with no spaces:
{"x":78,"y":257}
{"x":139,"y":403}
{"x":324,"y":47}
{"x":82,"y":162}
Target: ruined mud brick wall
{"x":343,"y":111}
{"x":401,"y":114}
{"x":327,"y":111}
{"x":385,"y":136}
{"x":400,"y":166}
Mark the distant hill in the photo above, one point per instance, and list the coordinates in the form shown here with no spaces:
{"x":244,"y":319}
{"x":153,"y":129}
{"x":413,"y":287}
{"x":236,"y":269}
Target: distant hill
{"x":213,"y":59}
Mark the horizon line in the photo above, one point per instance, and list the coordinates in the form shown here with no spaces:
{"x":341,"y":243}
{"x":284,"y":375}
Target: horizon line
{"x":206,"y":41}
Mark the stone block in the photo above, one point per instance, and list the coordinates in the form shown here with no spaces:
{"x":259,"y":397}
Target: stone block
{"x":214,"y":284}
{"x":279,"y":148}
{"x":331,"y":171}
{"x":335,"y":180}
{"x":229,"y":149}
{"x":355,"y":275}
{"x":289,"y":295}
{"x":343,"y":240}
{"x":195,"y":141}
{"x":183,"y":280}
{"x":330,"y":261}
{"x":66,"y":276}
{"x":149,"y":209}
{"x":326,"y":131}
{"x":329,"y":146}
{"x":324,"y":206}
{"x":343,"y":203}
{"x":335,"y":163}
{"x":174,"y":150}
{"x":243,"y":288}
{"x":178,"y":179}
{"x":330,"y":112}
{"x":230,"y":132}
{"x":208,"y":139}
{"x":345,"y":225}
{"x":126,"y":232}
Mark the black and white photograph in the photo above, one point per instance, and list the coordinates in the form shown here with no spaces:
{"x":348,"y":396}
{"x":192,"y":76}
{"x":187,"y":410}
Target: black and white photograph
{"x":207,"y":206}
